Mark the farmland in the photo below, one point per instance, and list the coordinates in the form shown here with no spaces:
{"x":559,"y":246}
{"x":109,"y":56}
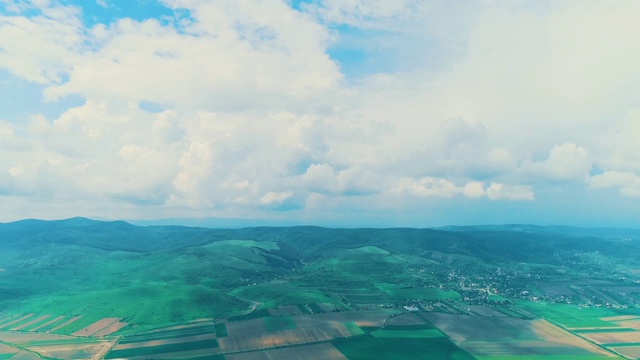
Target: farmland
{"x":88,"y":289}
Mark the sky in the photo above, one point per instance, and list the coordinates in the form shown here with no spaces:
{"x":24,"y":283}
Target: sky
{"x":328,"y":112}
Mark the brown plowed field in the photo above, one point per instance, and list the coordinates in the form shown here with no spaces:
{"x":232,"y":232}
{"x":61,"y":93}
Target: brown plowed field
{"x":111,"y":328}
{"x":272,"y":339}
{"x":164,"y":341}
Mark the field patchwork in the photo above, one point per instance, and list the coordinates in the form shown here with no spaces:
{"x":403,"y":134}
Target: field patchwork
{"x":512,"y":337}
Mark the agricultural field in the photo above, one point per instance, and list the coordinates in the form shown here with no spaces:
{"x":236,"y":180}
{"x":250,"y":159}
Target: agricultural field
{"x":52,"y":346}
{"x":489,"y":337}
{"x":323,"y":351}
{"x":168,"y":343}
{"x":371,"y":347}
{"x":90,"y":289}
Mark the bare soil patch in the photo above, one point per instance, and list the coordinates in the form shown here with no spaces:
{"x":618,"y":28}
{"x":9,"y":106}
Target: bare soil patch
{"x":95,"y":327}
{"x":111,"y":329}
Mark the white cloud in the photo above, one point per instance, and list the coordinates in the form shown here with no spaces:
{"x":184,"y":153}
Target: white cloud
{"x":275,"y":197}
{"x":6,"y":131}
{"x":627,"y":182}
{"x":566,"y":162}
{"x":498,"y":191}
{"x":429,"y":187}
{"x":232,"y":55}
{"x":438,"y":187}
{"x":474,"y":189}
{"x":41,"y":48}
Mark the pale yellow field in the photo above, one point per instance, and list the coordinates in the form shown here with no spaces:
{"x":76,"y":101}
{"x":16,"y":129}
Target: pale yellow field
{"x":111,"y":329}
{"x":554,"y":334}
{"x":5,"y":349}
{"x":614,"y":337}
{"x":633,"y":324}
{"x":73,"y":351}
{"x":95,"y":327}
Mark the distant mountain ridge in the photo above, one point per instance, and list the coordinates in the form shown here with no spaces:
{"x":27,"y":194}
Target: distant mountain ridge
{"x":481,"y":241}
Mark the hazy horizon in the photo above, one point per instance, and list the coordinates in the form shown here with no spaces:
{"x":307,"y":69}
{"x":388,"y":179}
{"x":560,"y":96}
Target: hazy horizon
{"x":361,"y":113}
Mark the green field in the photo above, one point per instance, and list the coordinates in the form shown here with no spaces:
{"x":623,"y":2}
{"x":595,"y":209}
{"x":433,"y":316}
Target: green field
{"x":409,"y":334}
{"x":279,"y":323}
{"x":221,"y":330}
{"x":573,"y":316}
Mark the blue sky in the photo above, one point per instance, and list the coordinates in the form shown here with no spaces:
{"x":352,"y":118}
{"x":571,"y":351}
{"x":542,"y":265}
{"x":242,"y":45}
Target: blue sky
{"x":329,"y":112}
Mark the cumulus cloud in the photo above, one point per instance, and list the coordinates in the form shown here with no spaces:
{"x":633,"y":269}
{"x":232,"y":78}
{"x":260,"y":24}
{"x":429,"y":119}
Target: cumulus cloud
{"x":566,"y":162}
{"x":498,"y":191}
{"x":53,"y":36}
{"x":275,"y":197}
{"x":627,"y":182}
{"x":228,"y":56}
{"x":438,"y":187}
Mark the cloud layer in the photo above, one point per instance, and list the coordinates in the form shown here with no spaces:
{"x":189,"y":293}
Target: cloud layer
{"x":237,"y":109}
